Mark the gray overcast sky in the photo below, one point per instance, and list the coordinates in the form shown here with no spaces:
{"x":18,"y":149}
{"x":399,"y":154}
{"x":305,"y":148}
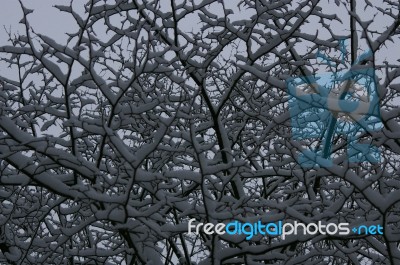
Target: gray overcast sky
{"x":46,"y":19}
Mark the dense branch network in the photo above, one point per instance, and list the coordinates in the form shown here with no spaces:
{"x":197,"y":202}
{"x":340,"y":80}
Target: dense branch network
{"x":157,"y":112}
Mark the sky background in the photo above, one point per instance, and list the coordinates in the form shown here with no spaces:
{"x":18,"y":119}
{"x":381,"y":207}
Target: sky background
{"x":46,"y":19}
